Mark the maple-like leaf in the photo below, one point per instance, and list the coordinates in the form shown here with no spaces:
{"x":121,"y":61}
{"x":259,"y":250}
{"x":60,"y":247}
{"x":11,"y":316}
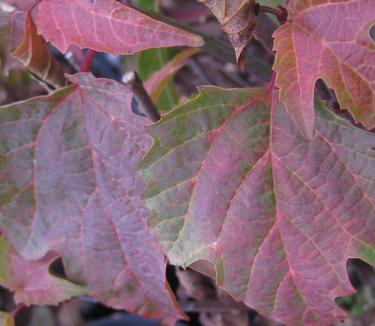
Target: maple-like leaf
{"x":31,"y":280}
{"x":231,"y":180}
{"x":238,"y":20}
{"x":328,"y":40}
{"x":69,"y":185}
{"x":33,"y":52}
{"x":107,"y":26}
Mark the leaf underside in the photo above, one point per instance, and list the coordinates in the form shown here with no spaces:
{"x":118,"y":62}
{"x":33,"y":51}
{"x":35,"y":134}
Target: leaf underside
{"x":231,"y":180}
{"x":68,"y":166}
{"x":238,"y":20}
{"x":109,"y":26}
{"x":330,"y":41}
{"x":33,"y":52}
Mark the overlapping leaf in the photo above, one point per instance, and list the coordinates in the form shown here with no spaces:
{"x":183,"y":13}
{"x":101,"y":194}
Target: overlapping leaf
{"x":31,"y":280}
{"x":232,"y":180}
{"x":153,"y":60}
{"x":109,"y":26}
{"x":238,"y":20}
{"x":33,"y":52}
{"x":159,"y":80}
{"x":69,"y":185}
{"x":329,"y":40}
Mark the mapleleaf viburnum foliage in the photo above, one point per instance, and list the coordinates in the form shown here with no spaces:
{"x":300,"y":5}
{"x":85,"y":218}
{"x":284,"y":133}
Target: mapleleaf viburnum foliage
{"x":267,"y":190}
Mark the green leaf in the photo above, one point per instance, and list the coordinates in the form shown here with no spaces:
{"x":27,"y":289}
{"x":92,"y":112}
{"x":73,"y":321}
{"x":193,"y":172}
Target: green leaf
{"x":150,"y":61}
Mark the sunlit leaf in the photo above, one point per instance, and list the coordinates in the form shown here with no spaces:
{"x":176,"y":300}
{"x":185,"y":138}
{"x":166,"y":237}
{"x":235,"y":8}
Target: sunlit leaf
{"x":109,"y":26}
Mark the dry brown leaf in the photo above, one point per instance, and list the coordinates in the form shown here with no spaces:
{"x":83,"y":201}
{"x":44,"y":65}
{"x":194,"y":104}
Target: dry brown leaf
{"x":237,"y":18}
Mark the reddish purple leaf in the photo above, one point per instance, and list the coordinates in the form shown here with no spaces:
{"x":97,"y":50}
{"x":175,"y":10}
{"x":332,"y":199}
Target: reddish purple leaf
{"x":107,"y":26}
{"x":31,"y":280}
{"x":19,"y":4}
{"x":69,"y":185}
{"x":328,"y":40}
{"x":279,"y":215}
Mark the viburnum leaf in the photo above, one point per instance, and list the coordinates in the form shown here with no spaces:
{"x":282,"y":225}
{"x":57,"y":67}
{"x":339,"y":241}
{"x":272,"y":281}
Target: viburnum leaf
{"x":33,"y":52}
{"x":69,"y":185}
{"x":238,"y":20}
{"x":231,"y":180}
{"x":31,"y":280}
{"x":159,"y":80}
{"x":328,"y":40}
{"x":109,"y":26}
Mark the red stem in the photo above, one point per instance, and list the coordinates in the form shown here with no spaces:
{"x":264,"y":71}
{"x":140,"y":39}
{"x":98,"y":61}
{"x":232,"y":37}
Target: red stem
{"x":33,"y":5}
{"x":282,"y":15}
{"x":16,"y":310}
{"x":280,"y":12}
{"x":271,"y":85}
{"x":86,"y":64}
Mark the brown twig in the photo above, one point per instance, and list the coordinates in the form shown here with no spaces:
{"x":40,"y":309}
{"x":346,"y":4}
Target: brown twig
{"x":270,"y":10}
{"x":211,"y":306}
{"x":132,"y":80}
{"x":272,"y":84}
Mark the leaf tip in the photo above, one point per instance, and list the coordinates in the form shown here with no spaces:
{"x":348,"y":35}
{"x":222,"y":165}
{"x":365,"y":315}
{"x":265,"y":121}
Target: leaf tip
{"x":197,"y":41}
